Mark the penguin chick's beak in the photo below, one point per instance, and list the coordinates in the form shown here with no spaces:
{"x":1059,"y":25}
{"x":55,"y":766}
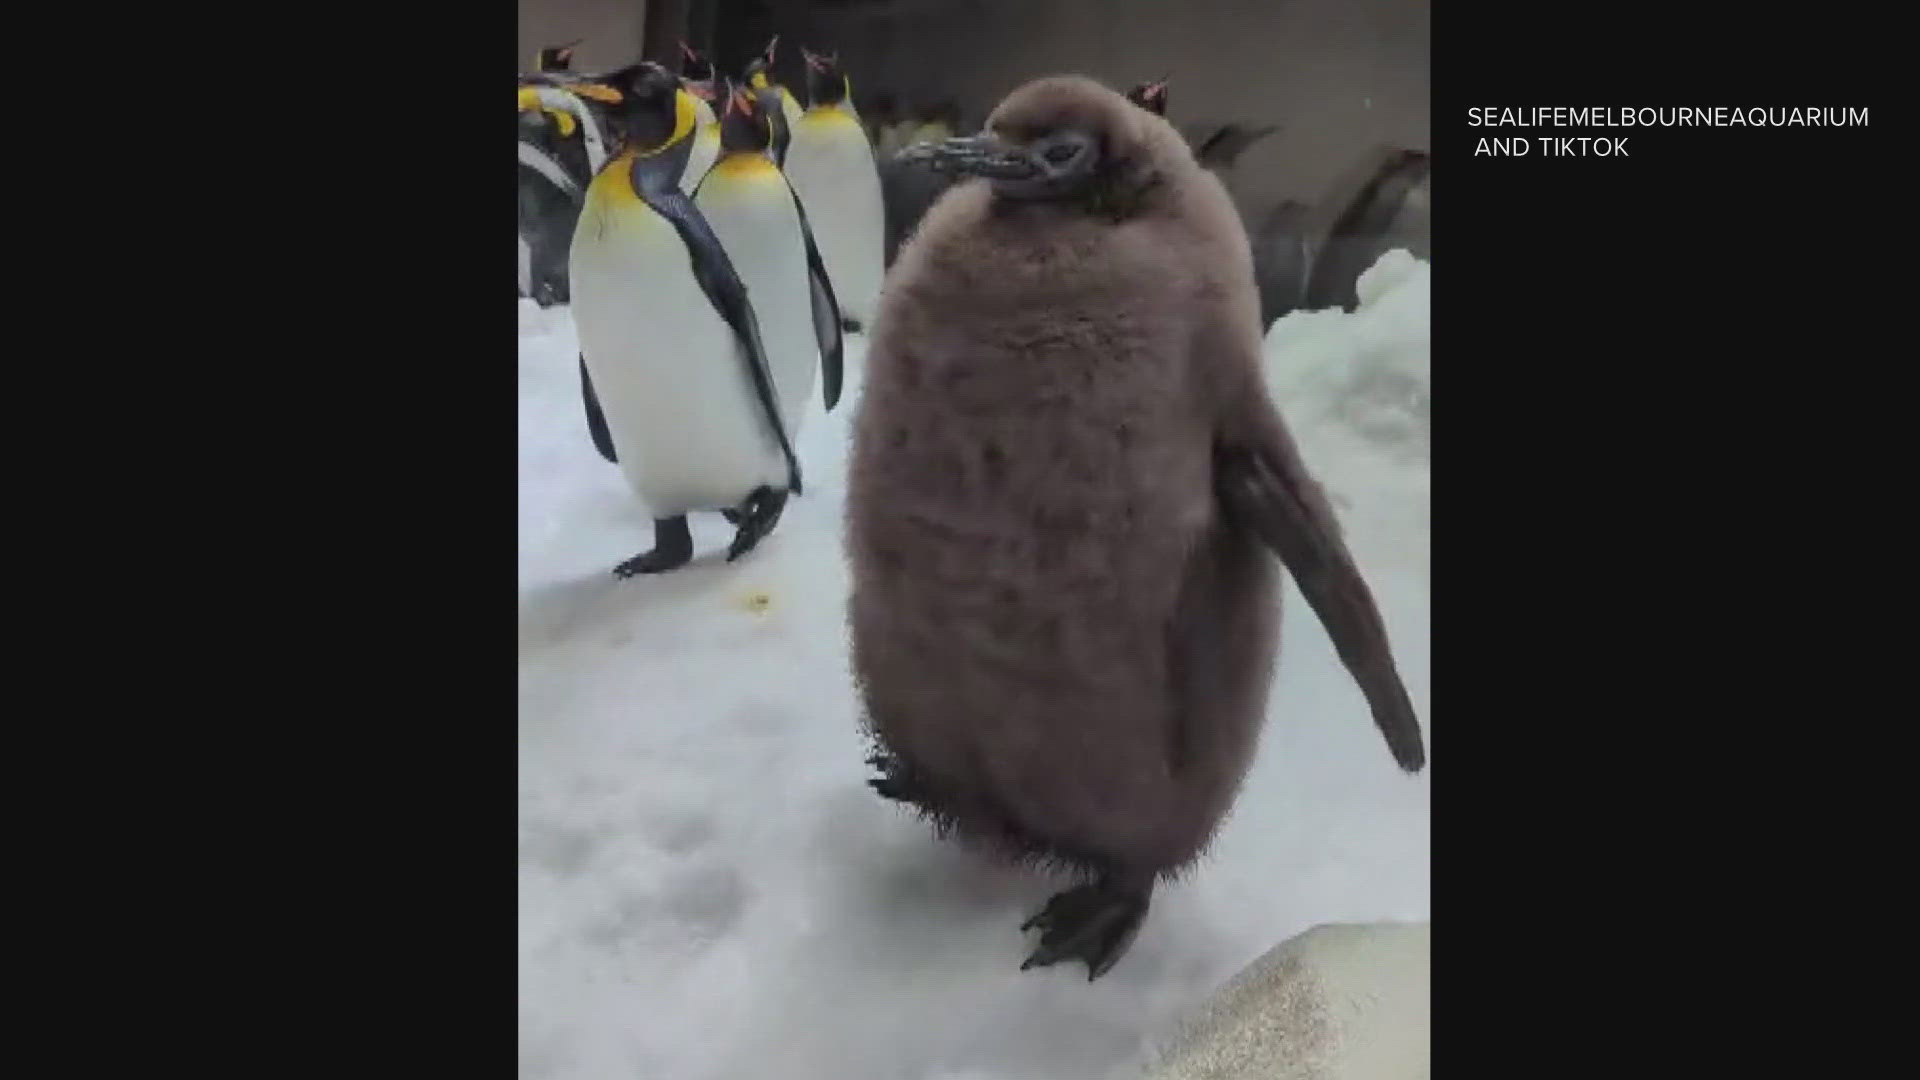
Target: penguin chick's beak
{"x":973,"y":155}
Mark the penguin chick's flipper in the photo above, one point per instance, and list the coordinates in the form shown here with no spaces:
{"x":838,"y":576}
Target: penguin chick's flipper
{"x":672,"y":549}
{"x":1095,"y":923}
{"x":596,"y":420}
{"x":718,"y":279}
{"x":757,"y":515}
{"x":827,"y":322}
{"x":1269,"y":493}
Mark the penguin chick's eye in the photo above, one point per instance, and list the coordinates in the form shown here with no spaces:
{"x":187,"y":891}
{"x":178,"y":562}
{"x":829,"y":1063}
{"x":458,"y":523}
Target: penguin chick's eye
{"x":1065,"y":154}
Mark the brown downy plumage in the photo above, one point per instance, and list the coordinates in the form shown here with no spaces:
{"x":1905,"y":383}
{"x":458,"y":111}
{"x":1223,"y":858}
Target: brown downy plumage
{"x":1067,"y":485}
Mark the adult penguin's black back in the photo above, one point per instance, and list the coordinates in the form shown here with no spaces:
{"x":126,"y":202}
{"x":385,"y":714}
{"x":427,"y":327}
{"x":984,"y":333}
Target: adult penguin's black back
{"x":1067,"y":488}
{"x":695,"y":67}
{"x":1386,"y":208}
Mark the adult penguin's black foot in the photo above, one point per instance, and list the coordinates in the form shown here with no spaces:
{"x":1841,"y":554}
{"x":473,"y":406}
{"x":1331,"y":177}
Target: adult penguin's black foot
{"x":672,"y":549}
{"x":757,"y":517}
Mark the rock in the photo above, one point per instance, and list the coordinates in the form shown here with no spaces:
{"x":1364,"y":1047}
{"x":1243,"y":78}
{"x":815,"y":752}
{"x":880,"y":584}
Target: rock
{"x":1338,"y":1002}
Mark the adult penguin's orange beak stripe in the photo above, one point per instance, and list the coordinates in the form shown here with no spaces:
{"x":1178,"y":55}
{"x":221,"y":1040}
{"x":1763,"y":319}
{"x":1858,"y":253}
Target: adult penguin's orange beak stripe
{"x":973,"y":155}
{"x":600,"y":92}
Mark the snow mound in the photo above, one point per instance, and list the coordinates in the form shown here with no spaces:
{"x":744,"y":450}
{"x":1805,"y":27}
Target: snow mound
{"x":1394,"y":268}
{"x":1356,"y":388}
{"x":1334,"y":1003}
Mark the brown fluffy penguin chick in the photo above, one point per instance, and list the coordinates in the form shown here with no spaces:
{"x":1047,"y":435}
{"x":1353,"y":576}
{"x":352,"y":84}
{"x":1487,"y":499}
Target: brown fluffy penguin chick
{"x":1067,"y":486}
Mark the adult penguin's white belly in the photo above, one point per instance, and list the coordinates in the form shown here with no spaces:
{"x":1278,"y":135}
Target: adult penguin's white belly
{"x":830,"y":164}
{"x":706,"y":147}
{"x":751,"y":209}
{"x":679,"y":403}
{"x":790,"y":108}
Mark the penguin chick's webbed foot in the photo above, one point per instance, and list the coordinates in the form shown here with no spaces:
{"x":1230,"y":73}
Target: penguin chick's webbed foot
{"x":757,"y":517}
{"x":672,"y":549}
{"x":1095,"y":923}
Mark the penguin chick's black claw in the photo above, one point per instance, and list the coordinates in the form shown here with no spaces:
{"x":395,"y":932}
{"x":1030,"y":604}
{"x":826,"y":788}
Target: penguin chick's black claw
{"x":672,"y":549}
{"x":758,"y":515}
{"x":895,"y":780}
{"x":1095,"y":923}
{"x":891,"y":788}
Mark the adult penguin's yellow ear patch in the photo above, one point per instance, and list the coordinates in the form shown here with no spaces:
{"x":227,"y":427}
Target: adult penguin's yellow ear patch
{"x":562,"y":119}
{"x":600,"y":92}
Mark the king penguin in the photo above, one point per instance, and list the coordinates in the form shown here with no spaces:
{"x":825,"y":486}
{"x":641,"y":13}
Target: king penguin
{"x":696,"y":73}
{"x":570,"y":101}
{"x":831,"y":165}
{"x":674,"y":376}
{"x":561,"y":145}
{"x":764,"y":227}
{"x":1069,"y":498}
{"x":552,"y":182}
{"x":759,"y":76}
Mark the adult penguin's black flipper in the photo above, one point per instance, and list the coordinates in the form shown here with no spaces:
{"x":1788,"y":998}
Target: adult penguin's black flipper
{"x":718,"y":279}
{"x":1225,"y":146}
{"x":827,"y":325}
{"x":596,"y":420}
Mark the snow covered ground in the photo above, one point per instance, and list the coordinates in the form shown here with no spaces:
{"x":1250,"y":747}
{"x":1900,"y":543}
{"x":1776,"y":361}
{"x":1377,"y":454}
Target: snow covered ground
{"x":708,"y":889}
